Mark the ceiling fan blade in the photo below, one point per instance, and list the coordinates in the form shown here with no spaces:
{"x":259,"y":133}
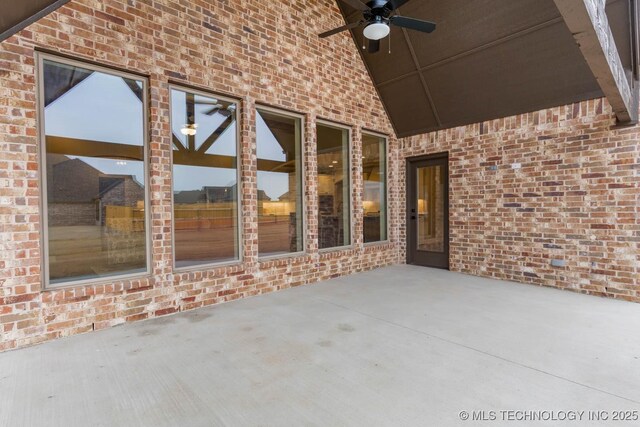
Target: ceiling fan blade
{"x":339,"y":29}
{"x":212,"y":111}
{"x":206,"y":102}
{"x":413,"y":24}
{"x":356,"y":4}
{"x":374,"y":46}
{"x":396,"y":3}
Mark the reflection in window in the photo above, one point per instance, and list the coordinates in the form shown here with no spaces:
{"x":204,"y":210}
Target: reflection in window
{"x":205,"y":179}
{"x":95,"y":174}
{"x":334,"y":201}
{"x":374,"y":159}
{"x":431,"y":203}
{"x":279,"y":183}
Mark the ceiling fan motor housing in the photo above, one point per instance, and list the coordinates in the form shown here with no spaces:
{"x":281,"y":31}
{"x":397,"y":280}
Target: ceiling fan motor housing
{"x":380,"y":10}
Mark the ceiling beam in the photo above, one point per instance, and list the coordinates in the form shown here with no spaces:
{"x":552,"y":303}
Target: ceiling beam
{"x":425,"y":86}
{"x":587,"y":21}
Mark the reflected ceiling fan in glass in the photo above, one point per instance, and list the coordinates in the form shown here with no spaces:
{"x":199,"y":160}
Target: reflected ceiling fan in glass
{"x":206,"y":119}
{"x":216,"y":107}
{"x":189,"y":129}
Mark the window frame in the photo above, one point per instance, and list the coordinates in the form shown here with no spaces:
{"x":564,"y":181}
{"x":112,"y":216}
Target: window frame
{"x":40,"y":57}
{"x":303,"y":180}
{"x":349,"y":130}
{"x":240,"y":231}
{"x":384,"y":137}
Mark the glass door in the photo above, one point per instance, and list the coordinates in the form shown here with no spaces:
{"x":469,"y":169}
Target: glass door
{"x":428,"y":212}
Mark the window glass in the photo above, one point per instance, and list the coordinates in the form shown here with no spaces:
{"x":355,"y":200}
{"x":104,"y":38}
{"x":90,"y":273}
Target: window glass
{"x":334,"y":187}
{"x":278,"y":139}
{"x":95,"y":174}
{"x":374,"y":165}
{"x":431,"y":207}
{"x":205,"y":179}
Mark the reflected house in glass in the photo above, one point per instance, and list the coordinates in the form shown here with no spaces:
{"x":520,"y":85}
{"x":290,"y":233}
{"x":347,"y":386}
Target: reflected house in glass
{"x":212,"y":195}
{"x":205,"y":176}
{"x":279,"y":179}
{"x":94,"y":191}
{"x":94,"y":172}
{"x":95,"y":199}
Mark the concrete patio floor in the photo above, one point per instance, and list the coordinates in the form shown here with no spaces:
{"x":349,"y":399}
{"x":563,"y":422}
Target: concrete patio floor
{"x":397,"y":346}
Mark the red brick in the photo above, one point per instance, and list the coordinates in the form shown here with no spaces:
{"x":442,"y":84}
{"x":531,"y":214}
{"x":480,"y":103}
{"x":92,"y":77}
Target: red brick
{"x":578,"y":174}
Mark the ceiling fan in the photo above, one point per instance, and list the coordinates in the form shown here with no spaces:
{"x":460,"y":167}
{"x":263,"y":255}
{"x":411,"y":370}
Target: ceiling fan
{"x":191,"y":128}
{"x":377,"y":16}
{"x":216,"y":107}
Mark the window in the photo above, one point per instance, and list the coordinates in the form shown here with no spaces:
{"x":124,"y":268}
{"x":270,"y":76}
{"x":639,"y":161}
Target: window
{"x":94,"y":173}
{"x":334,"y":187}
{"x":374,"y":171}
{"x":280,"y":213}
{"x":205,"y":178}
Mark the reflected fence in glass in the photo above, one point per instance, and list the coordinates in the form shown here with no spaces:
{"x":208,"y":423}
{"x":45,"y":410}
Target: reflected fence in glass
{"x":94,"y":172}
{"x":280,"y":213}
{"x":205,"y":178}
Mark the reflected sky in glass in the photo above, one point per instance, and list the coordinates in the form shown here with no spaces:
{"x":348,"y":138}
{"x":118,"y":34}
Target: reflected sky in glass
{"x":274,"y":184}
{"x":88,"y":110}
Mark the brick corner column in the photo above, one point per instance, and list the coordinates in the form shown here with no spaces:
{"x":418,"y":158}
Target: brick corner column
{"x":311,"y":185}
{"x":357,"y":185}
{"x":160,"y":180}
{"x":248,"y":163}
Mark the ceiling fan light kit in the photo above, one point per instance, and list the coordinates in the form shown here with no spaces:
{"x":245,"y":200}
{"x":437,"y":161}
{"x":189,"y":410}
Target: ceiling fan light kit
{"x":378,"y":16}
{"x":376,"y":31}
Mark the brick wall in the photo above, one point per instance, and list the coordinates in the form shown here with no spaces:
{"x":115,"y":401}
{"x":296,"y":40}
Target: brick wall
{"x":64,"y":214}
{"x":234,"y":47}
{"x":575,"y":198}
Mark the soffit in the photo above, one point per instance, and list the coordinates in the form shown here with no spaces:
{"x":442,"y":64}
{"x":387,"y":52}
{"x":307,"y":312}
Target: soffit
{"x":487,"y":59}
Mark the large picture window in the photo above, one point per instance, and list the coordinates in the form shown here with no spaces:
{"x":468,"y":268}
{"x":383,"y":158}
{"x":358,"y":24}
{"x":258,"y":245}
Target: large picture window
{"x":374,"y":171}
{"x":279,"y":149}
{"x":205,"y":178}
{"x":334,"y":186}
{"x":94,"y":172}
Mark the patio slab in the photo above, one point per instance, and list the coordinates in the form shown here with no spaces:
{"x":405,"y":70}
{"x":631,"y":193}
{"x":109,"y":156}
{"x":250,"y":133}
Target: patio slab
{"x":401,"y":345}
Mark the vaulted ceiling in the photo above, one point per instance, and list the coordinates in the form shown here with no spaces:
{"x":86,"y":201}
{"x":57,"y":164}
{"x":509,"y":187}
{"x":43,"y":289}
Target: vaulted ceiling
{"x":487,"y":59}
